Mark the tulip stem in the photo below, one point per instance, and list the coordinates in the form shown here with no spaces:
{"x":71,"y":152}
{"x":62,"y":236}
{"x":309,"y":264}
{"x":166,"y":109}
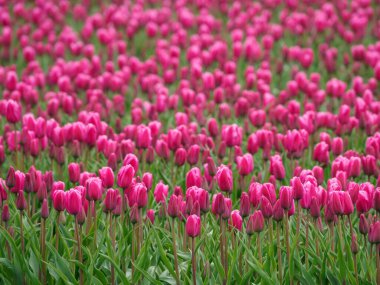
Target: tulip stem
{"x":175,"y":253}
{"x":356,"y":270}
{"x":193,"y":262}
{"x":57,"y":232}
{"x":279,"y":258}
{"x":43,"y":254}
{"x":133,"y":249}
{"x":287,"y":236}
{"x":307,"y":242}
{"x":93,"y":213}
{"x":113,"y":248}
{"x":258,"y":244}
{"x":299,"y":213}
{"x":22,"y":232}
{"x":316,"y":240}
{"x":79,"y":250}
{"x":222,"y":250}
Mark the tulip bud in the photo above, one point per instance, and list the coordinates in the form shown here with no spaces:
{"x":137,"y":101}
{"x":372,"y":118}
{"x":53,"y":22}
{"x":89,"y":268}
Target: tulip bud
{"x":278,"y":211}
{"x":354,"y":245}
{"x":74,"y":172}
{"x":134,"y":214}
{"x":141,"y":194}
{"x":297,"y":188}
{"x":218,"y":204}
{"x":374,"y":233}
{"x":125,"y":175}
{"x":315,"y":210}
{"x":21,"y":201}
{"x":180,"y":156}
{"x":363,"y":225}
{"x":44,"y":209}
{"x":194,"y":178}
{"x":10,"y":180}
{"x":245,"y":206}
{"x":193,"y":154}
{"x":193,"y":226}
{"x":73,"y":202}
{"x":94,"y":188}
{"x":286,"y":197}
{"x":337,"y":146}
{"x":376,"y":200}
{"x":5,"y":216}
{"x":204,"y":201}
{"x":161,"y":192}
{"x":276,"y":167}
{"x":266,"y":208}
{"x":147,"y":179}
{"x":107,"y":177}
{"x":110,"y":200}
{"x":236,"y":221}
{"x":318,"y":174}
{"x":59,"y":200}
{"x":255,"y":223}
{"x":150,"y":215}
{"x":173,"y":206}
{"x":224,"y":178}
{"x":81,"y":217}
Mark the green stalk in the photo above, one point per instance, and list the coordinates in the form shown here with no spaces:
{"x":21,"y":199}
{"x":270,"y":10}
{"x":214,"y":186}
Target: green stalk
{"x":79,"y":250}
{"x":193,"y":261}
{"x":175,"y":253}
{"x":279,"y":257}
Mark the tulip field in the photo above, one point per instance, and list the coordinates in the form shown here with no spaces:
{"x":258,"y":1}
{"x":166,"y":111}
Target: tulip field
{"x":190,"y":142}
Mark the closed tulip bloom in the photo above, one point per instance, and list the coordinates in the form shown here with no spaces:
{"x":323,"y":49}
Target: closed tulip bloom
{"x":125,"y":176}
{"x":337,"y":203}
{"x":245,"y":206}
{"x":344,"y":114}
{"x":147,"y":179}
{"x":374,"y":233}
{"x":363,"y":225}
{"x":141,"y":195}
{"x":321,"y":153}
{"x":74,"y":172}
{"x":337,"y":146}
{"x":224,"y":178}
{"x":376,"y":200}
{"x":354,"y":244}
{"x":266,"y":208}
{"x":245,"y":164}
{"x":232,"y":135}
{"x":13,"y":112}
{"x":297,"y":188}
{"x":227,"y":208}
{"x":286,"y":197}
{"x":369,"y":165}
{"x":10,"y":180}
{"x":315,"y":209}
{"x":363,"y":203}
{"x":21,"y":201}
{"x":218,"y":204}
{"x":193,"y":226}
{"x":134,"y":214}
{"x":161,"y":192}
{"x":73,"y":202}
{"x":278,"y":211}
{"x":194,"y":177}
{"x":180,"y":156}
{"x":354,"y":167}
{"x":150,"y":215}
{"x":107,"y":176}
{"x":255,"y":223}
{"x":276,"y":167}
{"x":59,"y":200}
{"x":236,"y":221}
{"x":193,"y":154}
{"x":19,"y":182}
{"x":212,"y":127}
{"x":94,"y":188}
{"x":143,"y":137}
{"x":318,"y":174}
{"x":348,"y":206}
{"x":255,"y":194}
{"x":5,"y":216}
{"x":110,"y":200}
{"x":44,"y":209}
{"x":204,"y":201}
{"x":132,"y":160}
{"x":174,"y":206}
{"x":174,"y":139}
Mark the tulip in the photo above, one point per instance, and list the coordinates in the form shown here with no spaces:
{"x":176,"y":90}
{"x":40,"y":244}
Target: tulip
{"x":224,"y":178}
{"x":107,"y":176}
{"x":73,"y":202}
{"x":110,"y":200}
{"x":193,"y":229}
{"x":286,"y":197}
{"x":125,"y":175}
{"x":150,"y":215}
{"x":236,"y":221}
{"x":276,"y":167}
{"x":161,"y":192}
{"x":245,"y":206}
{"x":194,"y":177}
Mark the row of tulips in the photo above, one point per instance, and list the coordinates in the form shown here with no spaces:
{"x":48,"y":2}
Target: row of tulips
{"x":299,"y":212}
